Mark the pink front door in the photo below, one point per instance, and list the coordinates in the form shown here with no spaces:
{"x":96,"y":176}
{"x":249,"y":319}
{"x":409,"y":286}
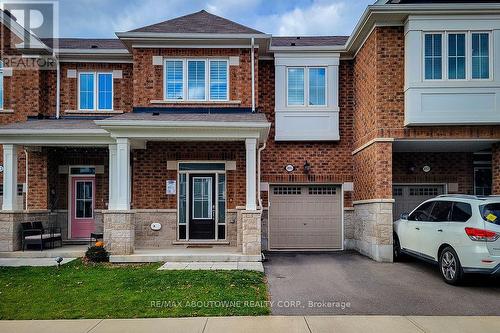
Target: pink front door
{"x":82,"y":206}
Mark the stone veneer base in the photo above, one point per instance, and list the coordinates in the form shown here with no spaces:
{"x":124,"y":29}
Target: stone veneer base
{"x":119,"y":231}
{"x":373,"y":229}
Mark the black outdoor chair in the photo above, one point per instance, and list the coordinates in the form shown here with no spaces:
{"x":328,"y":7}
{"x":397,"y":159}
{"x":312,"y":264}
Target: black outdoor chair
{"x":32,"y":236}
{"x":54,"y":232}
{"x":35,"y":234}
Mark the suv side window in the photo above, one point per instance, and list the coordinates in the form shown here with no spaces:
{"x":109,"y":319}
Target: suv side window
{"x":422,"y":213}
{"x":441,"y":211}
{"x":461,"y":212}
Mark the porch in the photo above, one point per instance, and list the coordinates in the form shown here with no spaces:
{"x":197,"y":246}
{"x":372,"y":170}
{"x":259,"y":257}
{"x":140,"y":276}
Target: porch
{"x":153,"y":187}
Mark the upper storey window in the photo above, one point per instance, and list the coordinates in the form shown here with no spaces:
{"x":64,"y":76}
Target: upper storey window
{"x":433,"y":57}
{"x":457,"y":56}
{"x":95,"y":91}
{"x":480,"y":56}
{"x":306,"y":85}
{"x":196,"y":80}
{"x":1,"y":85}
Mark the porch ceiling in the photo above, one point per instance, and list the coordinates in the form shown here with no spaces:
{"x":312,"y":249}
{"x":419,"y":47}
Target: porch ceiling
{"x":450,"y":145}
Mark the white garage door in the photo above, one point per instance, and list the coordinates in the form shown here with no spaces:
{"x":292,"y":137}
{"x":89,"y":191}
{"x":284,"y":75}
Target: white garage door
{"x":305,"y":217}
{"x":408,"y":197}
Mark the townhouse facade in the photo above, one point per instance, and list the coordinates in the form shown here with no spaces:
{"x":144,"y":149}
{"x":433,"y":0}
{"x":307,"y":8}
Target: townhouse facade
{"x":201,"y":131}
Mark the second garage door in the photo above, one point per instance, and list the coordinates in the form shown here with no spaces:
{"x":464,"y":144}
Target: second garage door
{"x":408,"y":197}
{"x":305,"y":217}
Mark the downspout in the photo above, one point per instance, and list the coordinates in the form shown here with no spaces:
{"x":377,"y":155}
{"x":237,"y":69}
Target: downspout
{"x":26,"y":176}
{"x":253,"y":74}
{"x":58,"y":89}
{"x":259,"y":198}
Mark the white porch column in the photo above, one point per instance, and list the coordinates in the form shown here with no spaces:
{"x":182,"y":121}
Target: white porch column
{"x":10,"y":178}
{"x":112,"y":177}
{"x":121,"y":178}
{"x":251,"y":159}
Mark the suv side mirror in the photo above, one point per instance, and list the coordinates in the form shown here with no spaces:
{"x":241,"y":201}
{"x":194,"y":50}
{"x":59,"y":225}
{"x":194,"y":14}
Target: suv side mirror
{"x":404,"y":216}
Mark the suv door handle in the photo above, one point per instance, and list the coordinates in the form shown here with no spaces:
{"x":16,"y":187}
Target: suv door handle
{"x":440,"y":230}
{"x":417,"y":228}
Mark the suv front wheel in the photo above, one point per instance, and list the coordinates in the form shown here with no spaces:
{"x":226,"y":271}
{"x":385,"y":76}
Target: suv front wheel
{"x":450,"y":267}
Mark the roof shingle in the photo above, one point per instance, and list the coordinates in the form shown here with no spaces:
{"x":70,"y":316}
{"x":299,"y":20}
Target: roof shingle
{"x":309,"y":41}
{"x":199,"y":22}
{"x":86,"y":43}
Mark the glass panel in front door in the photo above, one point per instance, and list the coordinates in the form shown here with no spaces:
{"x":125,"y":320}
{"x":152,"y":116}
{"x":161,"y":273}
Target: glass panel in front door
{"x":202,"y":198}
{"x":84,"y":201}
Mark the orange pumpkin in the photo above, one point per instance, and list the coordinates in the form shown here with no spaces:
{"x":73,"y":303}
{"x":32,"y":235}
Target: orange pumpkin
{"x":99,"y":244}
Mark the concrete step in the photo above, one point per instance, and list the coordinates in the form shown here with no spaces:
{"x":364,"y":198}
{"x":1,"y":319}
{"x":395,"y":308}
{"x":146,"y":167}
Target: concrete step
{"x":188,"y":257}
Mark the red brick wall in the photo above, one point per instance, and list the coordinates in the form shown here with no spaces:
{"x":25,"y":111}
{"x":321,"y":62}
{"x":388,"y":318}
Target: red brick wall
{"x":22,"y":90}
{"x":331,"y":162}
{"x":37,"y":180}
{"x":148,"y":79}
{"x":149,"y":171}
{"x":373,"y":172}
{"x":122,"y":88}
{"x":445,"y":168}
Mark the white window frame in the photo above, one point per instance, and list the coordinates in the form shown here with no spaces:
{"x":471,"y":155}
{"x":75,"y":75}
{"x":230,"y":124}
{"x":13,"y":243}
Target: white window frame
{"x":468,"y":55}
{"x":2,"y":86}
{"x":96,"y":91}
{"x":210,"y":79}
{"x":306,"y":92}
{"x":490,"y":54}
{"x":446,"y":61}
{"x":185,"y":87}
{"x":326,"y":87}
{"x":205,"y":61}
{"x":444,"y":55}
{"x":112,"y":91}
{"x":306,"y":87}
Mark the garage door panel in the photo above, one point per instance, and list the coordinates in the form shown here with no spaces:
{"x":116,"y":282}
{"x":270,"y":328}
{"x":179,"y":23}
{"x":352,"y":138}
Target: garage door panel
{"x":408,"y":197}
{"x":305,"y":217}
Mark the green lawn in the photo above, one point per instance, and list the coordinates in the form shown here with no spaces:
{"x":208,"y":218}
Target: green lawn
{"x":141,"y":291}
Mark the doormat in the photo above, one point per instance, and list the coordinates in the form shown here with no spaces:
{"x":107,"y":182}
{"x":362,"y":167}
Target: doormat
{"x":200,"y":246}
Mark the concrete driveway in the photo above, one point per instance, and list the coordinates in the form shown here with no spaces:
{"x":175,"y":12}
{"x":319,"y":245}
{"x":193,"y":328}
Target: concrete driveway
{"x":348,"y":283}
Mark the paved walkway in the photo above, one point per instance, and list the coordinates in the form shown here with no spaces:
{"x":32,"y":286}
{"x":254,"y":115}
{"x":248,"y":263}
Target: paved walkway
{"x":247,"y":266}
{"x":300,"y":324}
{"x":19,"y":262}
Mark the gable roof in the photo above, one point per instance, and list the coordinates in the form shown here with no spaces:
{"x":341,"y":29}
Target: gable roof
{"x":292,"y":41}
{"x":199,"y":22}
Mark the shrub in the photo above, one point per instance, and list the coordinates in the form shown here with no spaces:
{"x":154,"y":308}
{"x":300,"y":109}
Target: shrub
{"x":96,"y":254}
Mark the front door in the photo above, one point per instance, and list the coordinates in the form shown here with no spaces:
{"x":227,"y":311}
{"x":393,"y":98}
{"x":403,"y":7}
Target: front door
{"x":82,"y":206}
{"x":202,"y":206}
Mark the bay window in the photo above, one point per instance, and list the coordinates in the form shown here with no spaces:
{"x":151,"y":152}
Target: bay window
{"x":295,"y":86}
{"x":317,"y":86}
{"x":457,"y":56}
{"x":433,"y":57}
{"x":480,"y":56}
{"x":310,"y":80}
{"x":196,"y":80}
{"x":95,"y":91}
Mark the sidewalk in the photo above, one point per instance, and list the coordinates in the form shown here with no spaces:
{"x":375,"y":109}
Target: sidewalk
{"x":299,"y":324}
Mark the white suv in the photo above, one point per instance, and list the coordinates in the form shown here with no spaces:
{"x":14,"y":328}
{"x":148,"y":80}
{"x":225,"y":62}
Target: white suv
{"x":459,"y":232}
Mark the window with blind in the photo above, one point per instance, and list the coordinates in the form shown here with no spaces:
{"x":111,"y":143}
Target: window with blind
{"x":196,"y":79}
